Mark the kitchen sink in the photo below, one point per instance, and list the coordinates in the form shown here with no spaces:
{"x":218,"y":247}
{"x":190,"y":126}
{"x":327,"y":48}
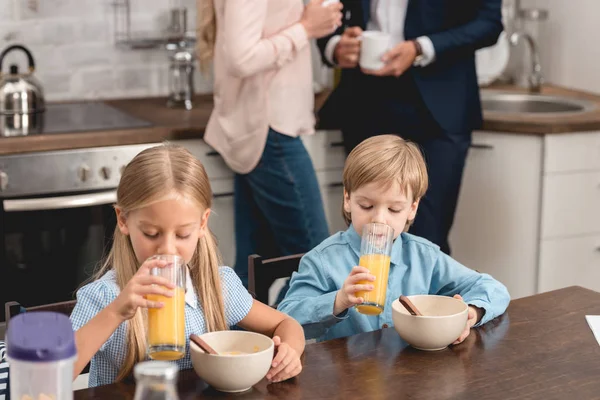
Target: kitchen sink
{"x":533,"y":104}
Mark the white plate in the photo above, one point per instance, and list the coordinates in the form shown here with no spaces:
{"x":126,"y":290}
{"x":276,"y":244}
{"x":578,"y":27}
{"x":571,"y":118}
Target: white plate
{"x":491,"y":61}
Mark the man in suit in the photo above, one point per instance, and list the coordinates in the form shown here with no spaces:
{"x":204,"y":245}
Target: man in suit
{"x":427,"y":91}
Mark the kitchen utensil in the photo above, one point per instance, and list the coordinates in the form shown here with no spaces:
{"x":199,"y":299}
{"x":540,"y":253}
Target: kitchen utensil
{"x":405,"y":301}
{"x":20,"y":93}
{"x":181,"y":78}
{"x":202,"y":344}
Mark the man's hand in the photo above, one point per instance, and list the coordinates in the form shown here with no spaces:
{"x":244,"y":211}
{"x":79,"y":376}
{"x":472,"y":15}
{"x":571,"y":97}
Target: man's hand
{"x":397,"y":60}
{"x":348,"y":48}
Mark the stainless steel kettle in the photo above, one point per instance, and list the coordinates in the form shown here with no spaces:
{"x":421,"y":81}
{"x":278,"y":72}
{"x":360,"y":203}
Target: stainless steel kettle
{"x":20,"y":93}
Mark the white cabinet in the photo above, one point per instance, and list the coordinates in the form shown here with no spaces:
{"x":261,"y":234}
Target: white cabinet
{"x":570,"y":261}
{"x":572,"y":152}
{"x":529,"y":210}
{"x":572,"y":204}
{"x":497,"y":218}
{"x":221,"y":221}
{"x":332,"y":191}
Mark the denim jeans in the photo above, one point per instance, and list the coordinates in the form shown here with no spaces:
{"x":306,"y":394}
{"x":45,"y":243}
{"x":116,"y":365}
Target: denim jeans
{"x":278,"y":206}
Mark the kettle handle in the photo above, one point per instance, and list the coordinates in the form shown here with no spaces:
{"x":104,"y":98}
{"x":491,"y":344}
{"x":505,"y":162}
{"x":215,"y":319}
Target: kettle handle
{"x":18,"y":47}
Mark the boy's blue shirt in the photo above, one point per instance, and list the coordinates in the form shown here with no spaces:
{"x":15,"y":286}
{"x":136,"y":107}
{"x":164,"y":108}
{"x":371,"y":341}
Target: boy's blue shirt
{"x":417,"y":267}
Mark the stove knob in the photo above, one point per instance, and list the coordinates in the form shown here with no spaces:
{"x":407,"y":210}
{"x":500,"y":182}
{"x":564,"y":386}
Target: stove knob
{"x":3,"y":180}
{"x":105,"y":172}
{"x":84,"y":173}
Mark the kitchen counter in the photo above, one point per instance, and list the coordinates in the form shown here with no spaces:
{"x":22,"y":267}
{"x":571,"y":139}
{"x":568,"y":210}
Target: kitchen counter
{"x":169,"y":124}
{"x":544,"y":124}
{"x":177,"y":124}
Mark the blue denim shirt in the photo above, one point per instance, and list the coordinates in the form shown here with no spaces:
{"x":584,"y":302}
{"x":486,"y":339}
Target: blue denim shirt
{"x":417,"y":267}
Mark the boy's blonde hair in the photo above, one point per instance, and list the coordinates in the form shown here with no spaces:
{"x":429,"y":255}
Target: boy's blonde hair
{"x":153,"y":175}
{"x":385,"y":159}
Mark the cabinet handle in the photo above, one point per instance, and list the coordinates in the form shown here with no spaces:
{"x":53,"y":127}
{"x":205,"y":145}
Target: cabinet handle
{"x":221,"y":195}
{"x":481,"y":146}
{"x":598,"y":249}
{"x":336,"y":185}
{"x":212,"y":153}
{"x":336,"y":144}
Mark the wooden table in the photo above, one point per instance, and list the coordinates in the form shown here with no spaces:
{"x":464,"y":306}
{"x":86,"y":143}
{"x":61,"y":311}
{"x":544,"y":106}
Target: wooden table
{"x":541,"y":348}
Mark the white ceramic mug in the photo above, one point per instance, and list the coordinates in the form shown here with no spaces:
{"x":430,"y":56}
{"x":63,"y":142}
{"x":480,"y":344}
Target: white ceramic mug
{"x":374,"y":45}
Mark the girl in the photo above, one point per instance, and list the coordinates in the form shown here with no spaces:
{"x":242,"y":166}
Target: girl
{"x":163,"y":205}
{"x":264,"y":101}
{"x":385,"y":178}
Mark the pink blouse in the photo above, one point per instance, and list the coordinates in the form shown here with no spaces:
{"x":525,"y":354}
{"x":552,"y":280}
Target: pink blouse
{"x":262,"y":78}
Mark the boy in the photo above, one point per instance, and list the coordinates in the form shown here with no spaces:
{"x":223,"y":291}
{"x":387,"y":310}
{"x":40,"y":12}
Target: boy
{"x":385,"y":177}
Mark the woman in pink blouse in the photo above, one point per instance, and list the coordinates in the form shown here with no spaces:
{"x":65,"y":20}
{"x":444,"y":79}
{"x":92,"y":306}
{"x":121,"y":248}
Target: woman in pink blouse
{"x":263,"y":102}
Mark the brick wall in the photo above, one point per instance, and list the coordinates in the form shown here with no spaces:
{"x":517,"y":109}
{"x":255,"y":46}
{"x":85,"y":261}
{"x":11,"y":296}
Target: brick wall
{"x":72,"y":42}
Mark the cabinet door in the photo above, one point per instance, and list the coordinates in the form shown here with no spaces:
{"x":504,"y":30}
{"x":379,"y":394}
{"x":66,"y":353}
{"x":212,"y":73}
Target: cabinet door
{"x":497,"y":219}
{"x":570,"y":261}
{"x":221,"y":221}
{"x":326,"y":149}
{"x":332,"y":192}
{"x":571,"y":204}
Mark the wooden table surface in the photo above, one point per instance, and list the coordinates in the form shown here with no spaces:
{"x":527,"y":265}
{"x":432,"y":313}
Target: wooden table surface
{"x":541,"y":348}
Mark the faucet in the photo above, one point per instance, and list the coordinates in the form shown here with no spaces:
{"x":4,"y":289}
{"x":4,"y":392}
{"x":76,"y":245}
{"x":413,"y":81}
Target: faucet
{"x":535,"y":79}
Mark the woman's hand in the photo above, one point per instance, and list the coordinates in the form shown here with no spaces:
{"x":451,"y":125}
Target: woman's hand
{"x":142,"y":284}
{"x":319,"y":20}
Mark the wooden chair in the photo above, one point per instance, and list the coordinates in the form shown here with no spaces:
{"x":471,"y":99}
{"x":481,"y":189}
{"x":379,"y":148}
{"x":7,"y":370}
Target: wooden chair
{"x":263,"y":272}
{"x":13,"y":308}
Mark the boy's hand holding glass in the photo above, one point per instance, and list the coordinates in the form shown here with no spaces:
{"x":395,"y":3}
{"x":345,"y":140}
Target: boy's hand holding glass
{"x":346,"y":296}
{"x":475,"y":315}
{"x":142,"y":284}
{"x":286,"y":363}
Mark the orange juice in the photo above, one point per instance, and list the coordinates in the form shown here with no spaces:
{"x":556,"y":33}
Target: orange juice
{"x":379,"y":265}
{"x":166,"y":327}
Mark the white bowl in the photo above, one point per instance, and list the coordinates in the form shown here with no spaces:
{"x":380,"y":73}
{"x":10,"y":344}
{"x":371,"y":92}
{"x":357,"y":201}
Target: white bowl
{"x":233,"y":373}
{"x":444,"y":319}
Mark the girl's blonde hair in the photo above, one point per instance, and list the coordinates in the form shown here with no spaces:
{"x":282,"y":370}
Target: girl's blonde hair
{"x":385,"y":159}
{"x":154,"y":175}
{"x":206,"y":32}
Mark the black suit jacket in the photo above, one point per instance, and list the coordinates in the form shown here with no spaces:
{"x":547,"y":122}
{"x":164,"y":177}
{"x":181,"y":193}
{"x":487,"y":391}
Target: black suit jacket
{"x":448,"y":86}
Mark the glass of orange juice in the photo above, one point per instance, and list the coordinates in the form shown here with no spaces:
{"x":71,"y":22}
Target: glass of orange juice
{"x":375,"y":253}
{"x":166,"y":325}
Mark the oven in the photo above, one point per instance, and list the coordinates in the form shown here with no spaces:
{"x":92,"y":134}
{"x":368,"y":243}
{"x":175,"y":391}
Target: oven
{"x":56,"y":220}
{"x":57,"y":216}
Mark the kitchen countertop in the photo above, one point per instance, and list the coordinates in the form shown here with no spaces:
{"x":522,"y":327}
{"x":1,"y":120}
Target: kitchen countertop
{"x":543,"y":124}
{"x":177,"y":124}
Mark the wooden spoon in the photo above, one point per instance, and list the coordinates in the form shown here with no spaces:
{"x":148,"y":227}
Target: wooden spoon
{"x":202,"y":344}
{"x":409,"y":306}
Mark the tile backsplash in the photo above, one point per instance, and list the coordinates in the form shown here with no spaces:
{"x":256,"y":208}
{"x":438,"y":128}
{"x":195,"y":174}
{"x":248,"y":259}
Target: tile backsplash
{"x":567,"y":40}
{"x":73,"y":44}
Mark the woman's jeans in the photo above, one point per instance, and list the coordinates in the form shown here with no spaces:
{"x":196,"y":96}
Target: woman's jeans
{"x":278,"y":205}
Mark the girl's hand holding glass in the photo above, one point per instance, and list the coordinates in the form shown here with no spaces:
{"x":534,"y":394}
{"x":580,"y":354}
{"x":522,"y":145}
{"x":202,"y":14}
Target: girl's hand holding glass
{"x":142,"y":284}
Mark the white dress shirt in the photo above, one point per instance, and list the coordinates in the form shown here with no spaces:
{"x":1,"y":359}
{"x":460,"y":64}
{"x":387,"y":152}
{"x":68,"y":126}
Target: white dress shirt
{"x":389,"y":16}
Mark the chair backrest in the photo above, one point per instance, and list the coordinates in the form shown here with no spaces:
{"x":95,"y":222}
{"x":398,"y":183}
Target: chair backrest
{"x":13,"y":308}
{"x":263,"y":272}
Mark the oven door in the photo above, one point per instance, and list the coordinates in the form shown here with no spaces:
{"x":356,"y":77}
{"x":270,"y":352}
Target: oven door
{"x":50,"y":245}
